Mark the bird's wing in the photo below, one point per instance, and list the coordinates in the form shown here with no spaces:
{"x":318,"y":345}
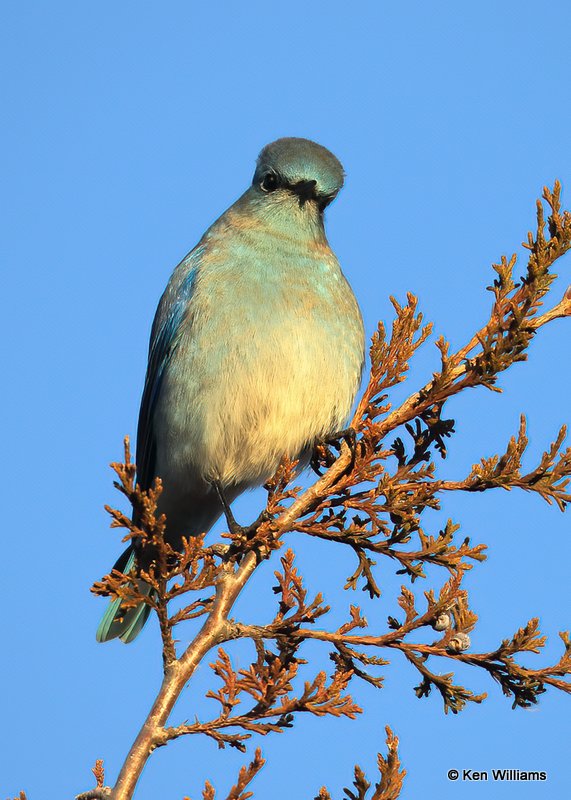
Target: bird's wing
{"x":165,"y":336}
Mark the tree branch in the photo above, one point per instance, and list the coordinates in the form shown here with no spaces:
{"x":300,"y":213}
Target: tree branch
{"x":369,"y":497}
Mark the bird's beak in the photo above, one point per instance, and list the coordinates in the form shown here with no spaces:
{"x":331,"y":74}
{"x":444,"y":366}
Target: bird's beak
{"x":305,"y":190}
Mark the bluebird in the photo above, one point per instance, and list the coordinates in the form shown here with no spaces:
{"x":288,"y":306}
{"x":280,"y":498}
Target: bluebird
{"x":256,"y":352}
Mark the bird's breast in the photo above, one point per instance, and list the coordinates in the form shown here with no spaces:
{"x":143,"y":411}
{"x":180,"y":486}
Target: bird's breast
{"x":269,"y":359}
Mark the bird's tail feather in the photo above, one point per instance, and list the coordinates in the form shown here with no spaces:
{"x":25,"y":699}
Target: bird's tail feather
{"x":124,"y":623}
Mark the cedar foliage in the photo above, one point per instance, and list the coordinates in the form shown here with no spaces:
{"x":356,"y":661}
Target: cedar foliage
{"x":372,"y":488}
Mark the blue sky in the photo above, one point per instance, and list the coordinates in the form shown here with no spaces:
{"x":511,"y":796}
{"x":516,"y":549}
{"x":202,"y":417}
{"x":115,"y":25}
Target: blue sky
{"x":127,"y":129}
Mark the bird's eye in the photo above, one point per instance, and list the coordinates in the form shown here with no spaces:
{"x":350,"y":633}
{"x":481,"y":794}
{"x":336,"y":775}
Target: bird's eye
{"x":269,"y":182}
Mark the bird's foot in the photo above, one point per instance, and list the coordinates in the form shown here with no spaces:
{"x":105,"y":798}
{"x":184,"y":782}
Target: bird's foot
{"x":321,"y":454}
{"x":248,"y":531}
{"x":243,"y":532}
{"x":321,"y":457}
{"x":349,"y":435}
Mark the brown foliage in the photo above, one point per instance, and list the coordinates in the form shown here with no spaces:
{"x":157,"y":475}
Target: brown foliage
{"x":246,"y":775}
{"x":390,"y":784}
{"x":372,"y":490}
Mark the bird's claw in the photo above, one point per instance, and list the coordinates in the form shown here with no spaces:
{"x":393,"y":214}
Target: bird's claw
{"x":246,"y":532}
{"x":243,"y":532}
{"x":349,"y":435}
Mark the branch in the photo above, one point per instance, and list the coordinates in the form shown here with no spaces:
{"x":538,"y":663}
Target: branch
{"x":369,"y":497}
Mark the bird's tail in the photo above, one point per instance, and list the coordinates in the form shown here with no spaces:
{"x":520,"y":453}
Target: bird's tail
{"x":118,"y":621}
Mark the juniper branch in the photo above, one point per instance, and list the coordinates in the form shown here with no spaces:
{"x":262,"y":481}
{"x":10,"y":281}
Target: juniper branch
{"x":370,"y":497}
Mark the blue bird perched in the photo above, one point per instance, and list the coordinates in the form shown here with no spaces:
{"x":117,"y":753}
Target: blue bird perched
{"x":256,"y":352}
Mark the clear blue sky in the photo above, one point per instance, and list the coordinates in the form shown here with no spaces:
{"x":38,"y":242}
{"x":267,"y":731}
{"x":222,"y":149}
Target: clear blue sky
{"x":128,"y":127}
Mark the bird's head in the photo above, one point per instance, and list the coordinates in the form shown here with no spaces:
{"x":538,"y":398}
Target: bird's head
{"x":298,"y":168}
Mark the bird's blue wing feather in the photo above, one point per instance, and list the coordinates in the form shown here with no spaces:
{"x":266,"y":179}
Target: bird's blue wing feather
{"x":165,"y":336}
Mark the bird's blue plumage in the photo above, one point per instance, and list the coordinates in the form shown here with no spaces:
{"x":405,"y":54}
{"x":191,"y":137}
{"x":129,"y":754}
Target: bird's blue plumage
{"x":256,"y":350}
{"x":164,"y":340}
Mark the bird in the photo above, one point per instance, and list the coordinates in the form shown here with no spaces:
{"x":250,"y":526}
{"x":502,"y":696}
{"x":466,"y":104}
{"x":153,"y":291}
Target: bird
{"x":256,"y":353}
